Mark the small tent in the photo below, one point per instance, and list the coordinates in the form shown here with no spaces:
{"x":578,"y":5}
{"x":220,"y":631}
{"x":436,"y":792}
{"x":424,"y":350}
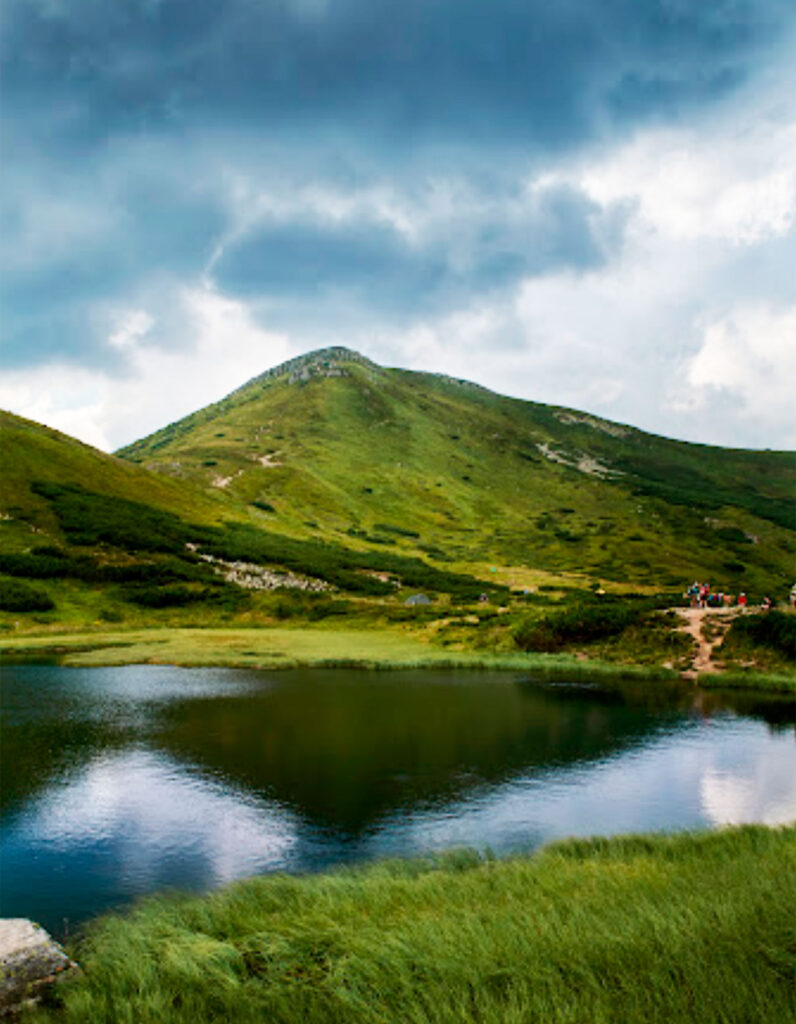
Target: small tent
{"x":418,"y":599}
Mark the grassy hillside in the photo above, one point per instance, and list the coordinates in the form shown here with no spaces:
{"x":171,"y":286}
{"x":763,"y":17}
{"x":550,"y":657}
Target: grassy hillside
{"x":87,"y":537}
{"x":32,"y":454}
{"x":78,"y":526}
{"x":633,"y":929}
{"x":332,"y":446}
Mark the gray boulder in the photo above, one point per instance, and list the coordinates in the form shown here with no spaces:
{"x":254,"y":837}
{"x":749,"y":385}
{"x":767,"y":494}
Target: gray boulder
{"x":29,"y":961}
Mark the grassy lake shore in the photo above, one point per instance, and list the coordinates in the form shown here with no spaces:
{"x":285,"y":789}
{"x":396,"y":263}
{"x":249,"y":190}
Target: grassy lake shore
{"x":650,"y":928}
{"x":304,"y":646}
{"x":293,"y":647}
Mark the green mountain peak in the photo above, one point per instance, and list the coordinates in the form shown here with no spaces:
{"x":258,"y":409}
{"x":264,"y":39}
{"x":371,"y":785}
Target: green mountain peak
{"x":332,"y":446}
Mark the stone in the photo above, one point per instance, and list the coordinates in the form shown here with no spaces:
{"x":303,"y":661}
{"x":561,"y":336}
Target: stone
{"x":29,"y":961}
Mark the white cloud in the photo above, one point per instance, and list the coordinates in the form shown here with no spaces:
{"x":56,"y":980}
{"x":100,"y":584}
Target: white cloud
{"x":64,"y":397}
{"x":725,"y":181}
{"x":751,"y":355}
{"x":132,"y":327}
{"x":222,"y":349}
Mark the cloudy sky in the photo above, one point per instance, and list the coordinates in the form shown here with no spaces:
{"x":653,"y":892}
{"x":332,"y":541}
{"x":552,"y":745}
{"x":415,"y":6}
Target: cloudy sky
{"x":587,"y":202}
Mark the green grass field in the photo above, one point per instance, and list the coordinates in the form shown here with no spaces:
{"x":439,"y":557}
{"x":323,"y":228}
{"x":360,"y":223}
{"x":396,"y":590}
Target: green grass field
{"x":275,"y":648}
{"x":682,"y":928}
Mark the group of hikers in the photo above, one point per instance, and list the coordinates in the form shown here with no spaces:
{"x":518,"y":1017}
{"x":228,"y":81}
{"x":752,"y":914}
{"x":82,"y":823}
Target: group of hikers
{"x":701,"y":596}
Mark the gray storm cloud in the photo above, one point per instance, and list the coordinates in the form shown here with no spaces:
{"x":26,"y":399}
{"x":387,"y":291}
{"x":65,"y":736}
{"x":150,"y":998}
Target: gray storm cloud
{"x":156,"y":148}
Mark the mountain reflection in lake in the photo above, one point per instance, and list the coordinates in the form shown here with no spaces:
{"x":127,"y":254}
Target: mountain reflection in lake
{"x":121,"y":781}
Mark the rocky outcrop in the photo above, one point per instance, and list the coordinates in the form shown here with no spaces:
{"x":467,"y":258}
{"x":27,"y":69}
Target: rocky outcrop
{"x":29,"y":962}
{"x":583,"y":463}
{"x":256,"y":577}
{"x":324,"y":362}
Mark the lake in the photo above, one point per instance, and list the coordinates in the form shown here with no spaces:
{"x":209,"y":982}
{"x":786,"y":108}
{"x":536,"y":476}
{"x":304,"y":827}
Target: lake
{"x":117,"y":782}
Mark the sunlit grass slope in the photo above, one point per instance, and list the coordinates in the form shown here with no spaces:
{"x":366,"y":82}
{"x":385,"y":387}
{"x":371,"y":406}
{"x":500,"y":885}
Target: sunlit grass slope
{"x":332,"y":445}
{"x":31,"y":453}
{"x":645,"y":929}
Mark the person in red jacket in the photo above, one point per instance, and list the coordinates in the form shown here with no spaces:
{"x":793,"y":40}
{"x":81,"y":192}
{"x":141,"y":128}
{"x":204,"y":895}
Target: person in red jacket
{"x":742,"y":602}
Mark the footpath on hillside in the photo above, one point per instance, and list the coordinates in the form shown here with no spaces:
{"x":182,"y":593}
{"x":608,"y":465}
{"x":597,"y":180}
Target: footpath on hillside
{"x":707,"y":628}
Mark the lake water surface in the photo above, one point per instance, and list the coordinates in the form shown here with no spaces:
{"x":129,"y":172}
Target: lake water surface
{"x":117,"y":782}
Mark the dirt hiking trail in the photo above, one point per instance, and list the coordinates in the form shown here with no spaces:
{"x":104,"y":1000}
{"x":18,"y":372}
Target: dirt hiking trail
{"x":706,"y":627}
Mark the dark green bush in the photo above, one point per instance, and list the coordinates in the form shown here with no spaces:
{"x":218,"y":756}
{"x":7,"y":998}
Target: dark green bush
{"x":732,"y":535}
{"x":581,"y":623}
{"x":111,"y":615}
{"x":389,"y":528}
{"x":89,"y":518}
{"x":682,"y":484}
{"x":16,"y":596}
{"x":46,"y":566}
{"x":773,"y":630}
{"x":335,"y":564}
{"x":48,"y":550}
{"x":40,"y":565}
{"x":173,"y":596}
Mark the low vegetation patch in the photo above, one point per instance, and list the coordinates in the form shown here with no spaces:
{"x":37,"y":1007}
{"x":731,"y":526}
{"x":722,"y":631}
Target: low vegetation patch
{"x":637,"y":929}
{"x":180,"y":594}
{"x":90,"y":519}
{"x":584,"y":621}
{"x":16,"y":596}
{"x":772,"y":631}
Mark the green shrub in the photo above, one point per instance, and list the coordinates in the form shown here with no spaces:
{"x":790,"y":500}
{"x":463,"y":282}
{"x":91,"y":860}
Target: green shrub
{"x":581,"y":623}
{"x":111,"y":615}
{"x":90,"y":519}
{"x":732,"y":535}
{"x":389,"y":528}
{"x":16,"y":596}
{"x":337,"y":565}
{"x":775,"y":631}
{"x":40,"y":564}
{"x":165,"y":597}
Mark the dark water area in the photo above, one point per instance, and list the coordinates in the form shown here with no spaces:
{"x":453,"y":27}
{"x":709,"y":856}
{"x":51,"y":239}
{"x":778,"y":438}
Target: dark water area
{"x":117,"y":782}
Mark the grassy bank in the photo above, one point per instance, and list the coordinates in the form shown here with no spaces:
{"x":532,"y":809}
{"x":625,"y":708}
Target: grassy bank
{"x":692,"y":927}
{"x":288,"y":647}
{"x":748,"y":679}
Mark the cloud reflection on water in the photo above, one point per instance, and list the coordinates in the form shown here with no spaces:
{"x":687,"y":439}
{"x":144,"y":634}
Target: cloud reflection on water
{"x":149,"y":809}
{"x":720,"y":773}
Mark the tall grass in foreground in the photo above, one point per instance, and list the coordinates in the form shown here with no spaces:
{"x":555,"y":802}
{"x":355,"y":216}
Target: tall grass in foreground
{"x":692,"y":927}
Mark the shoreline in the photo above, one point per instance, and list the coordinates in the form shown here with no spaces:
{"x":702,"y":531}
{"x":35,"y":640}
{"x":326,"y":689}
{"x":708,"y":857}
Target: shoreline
{"x":275,"y":648}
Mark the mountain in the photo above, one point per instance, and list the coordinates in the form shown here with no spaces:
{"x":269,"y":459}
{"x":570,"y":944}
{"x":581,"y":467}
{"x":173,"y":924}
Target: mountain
{"x":333,"y":447}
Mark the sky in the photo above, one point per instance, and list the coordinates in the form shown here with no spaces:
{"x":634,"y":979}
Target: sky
{"x":590,"y":203}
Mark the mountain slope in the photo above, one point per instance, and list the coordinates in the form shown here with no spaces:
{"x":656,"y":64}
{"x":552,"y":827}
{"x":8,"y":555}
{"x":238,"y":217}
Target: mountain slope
{"x":332,"y":446}
{"x":33,"y":455}
{"x":101,"y":537}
